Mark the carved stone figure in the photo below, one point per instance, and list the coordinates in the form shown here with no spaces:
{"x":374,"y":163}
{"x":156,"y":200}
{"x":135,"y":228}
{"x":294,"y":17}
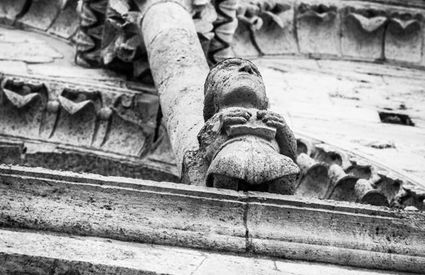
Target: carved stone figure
{"x":245,"y":146}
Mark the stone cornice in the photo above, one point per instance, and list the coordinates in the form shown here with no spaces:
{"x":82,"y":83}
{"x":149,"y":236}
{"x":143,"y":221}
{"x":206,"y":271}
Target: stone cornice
{"x":221,"y":220}
{"x":73,"y":120}
{"x":372,"y":31}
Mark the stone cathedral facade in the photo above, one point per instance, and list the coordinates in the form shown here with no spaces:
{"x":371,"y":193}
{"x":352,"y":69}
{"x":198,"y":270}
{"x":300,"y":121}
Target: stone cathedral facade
{"x":212,"y":137}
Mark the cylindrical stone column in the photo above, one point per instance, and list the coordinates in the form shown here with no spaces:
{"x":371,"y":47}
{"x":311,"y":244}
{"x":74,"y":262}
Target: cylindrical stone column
{"x":179,"y":69}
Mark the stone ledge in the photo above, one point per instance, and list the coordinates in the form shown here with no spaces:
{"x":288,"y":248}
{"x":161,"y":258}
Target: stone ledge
{"x":207,"y":218}
{"x":22,"y":251}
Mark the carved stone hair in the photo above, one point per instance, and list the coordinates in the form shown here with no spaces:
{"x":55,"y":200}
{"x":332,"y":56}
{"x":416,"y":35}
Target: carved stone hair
{"x":218,"y":75}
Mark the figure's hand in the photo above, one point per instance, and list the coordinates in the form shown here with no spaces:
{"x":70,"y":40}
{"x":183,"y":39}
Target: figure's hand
{"x":284,"y":135}
{"x":271,"y":119}
{"x":234,"y":116}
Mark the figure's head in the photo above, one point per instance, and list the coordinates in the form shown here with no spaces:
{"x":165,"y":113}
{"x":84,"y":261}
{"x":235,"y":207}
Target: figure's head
{"x":234,"y":82}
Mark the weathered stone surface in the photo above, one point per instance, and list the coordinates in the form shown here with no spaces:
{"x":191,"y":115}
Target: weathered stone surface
{"x":67,"y":21}
{"x":17,"y":46}
{"x":404,"y":38}
{"x":40,"y":252}
{"x":75,"y":115}
{"x":179,"y":69}
{"x":318,"y":29}
{"x":242,"y":145}
{"x":41,"y":14}
{"x":368,"y":30}
{"x":243,"y":45}
{"x":89,"y":36}
{"x":225,"y":26}
{"x":221,"y":220}
{"x":314,"y":180}
{"x":277,"y":34}
{"x":280,"y":233}
{"x":113,"y":134}
{"x":9,"y":9}
{"x":343,"y":110}
{"x":128,"y":211}
{"x":13,"y":67}
{"x":363,"y":33}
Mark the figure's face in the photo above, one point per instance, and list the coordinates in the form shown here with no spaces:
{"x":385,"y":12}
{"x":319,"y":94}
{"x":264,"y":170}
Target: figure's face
{"x":239,"y":84}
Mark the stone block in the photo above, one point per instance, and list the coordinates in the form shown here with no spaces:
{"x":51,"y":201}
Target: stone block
{"x":17,"y":45}
{"x":124,"y":137}
{"x":318,"y":29}
{"x":41,"y":14}
{"x":76,"y":118}
{"x":11,"y":153}
{"x":243,"y":44}
{"x":404,"y":38}
{"x":26,"y":252}
{"x":363,"y":33}
{"x":277,"y":34}
{"x":67,"y":22}
{"x":198,"y":217}
{"x":22,"y":107}
{"x":129,"y":210}
{"x":9,"y":9}
{"x":132,"y":125}
{"x":349,"y":234}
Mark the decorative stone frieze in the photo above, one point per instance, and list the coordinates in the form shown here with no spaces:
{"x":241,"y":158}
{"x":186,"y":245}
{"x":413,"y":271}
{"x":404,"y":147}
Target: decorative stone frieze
{"x":363,"y":33}
{"x":88,"y":40}
{"x":65,"y":25}
{"x":224,"y":30}
{"x":353,"y":30}
{"x":81,"y":116}
{"x":49,"y":119}
{"x":404,"y":38}
{"x":41,"y":15}
{"x":331,"y":173}
{"x":317,"y":29}
{"x":273,"y":32}
{"x":359,"y":30}
{"x":117,"y":43}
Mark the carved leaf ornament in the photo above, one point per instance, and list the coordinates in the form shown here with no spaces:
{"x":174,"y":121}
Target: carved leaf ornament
{"x":405,"y":26}
{"x":16,"y":99}
{"x":87,"y":17}
{"x":369,"y":24}
{"x":84,"y":42}
{"x":73,"y":107}
{"x":322,"y":13}
{"x":250,"y":14}
{"x":278,"y":13}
